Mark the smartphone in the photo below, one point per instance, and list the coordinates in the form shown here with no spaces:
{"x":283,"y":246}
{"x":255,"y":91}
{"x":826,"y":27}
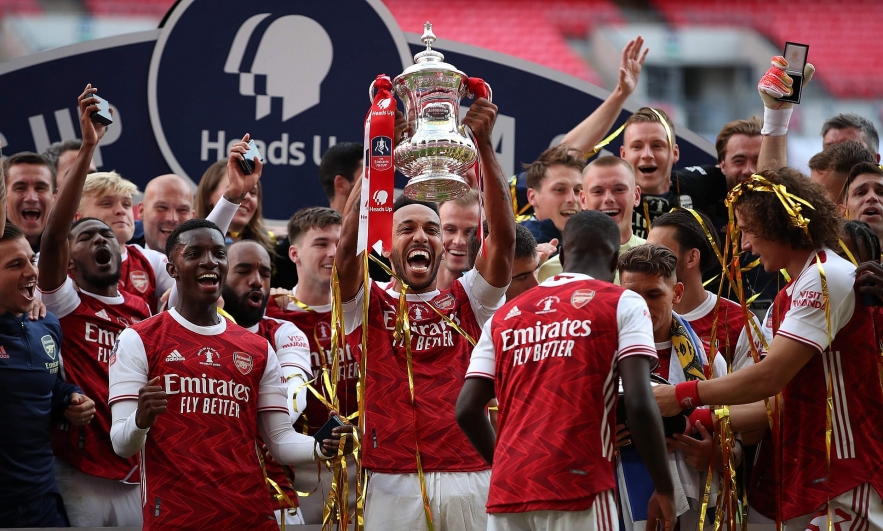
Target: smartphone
{"x":325,"y":431}
{"x":796,"y":54}
{"x":102,"y":115}
{"x":247,"y":164}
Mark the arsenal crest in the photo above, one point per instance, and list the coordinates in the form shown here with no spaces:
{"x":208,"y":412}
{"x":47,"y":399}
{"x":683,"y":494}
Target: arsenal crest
{"x":139,"y":280}
{"x":444,"y":303}
{"x":581,"y":297}
{"x":243,"y":362}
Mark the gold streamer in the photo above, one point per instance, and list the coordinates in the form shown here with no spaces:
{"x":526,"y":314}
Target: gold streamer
{"x":602,"y":144}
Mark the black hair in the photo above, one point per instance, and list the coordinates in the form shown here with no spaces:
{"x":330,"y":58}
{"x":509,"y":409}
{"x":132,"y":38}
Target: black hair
{"x":866,"y":241}
{"x":191,"y":224}
{"x":340,"y":159}
{"x":689,"y":234}
{"x":402,"y":201}
{"x":11,"y":232}
{"x":525,"y":243}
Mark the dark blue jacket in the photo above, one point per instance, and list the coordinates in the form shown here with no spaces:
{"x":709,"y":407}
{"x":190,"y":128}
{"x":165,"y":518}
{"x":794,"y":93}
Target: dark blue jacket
{"x":544,"y":231}
{"x":33,"y":394}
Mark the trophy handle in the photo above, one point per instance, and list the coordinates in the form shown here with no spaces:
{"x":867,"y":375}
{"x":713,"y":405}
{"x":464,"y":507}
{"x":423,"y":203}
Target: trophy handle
{"x":490,"y":93}
{"x":371,"y":92}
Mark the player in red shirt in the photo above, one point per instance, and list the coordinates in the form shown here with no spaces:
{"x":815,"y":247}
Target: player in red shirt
{"x":100,"y":487}
{"x":456,"y":477}
{"x":108,"y":197}
{"x":816,"y":320}
{"x":246,"y":292}
{"x":314,"y":233}
{"x":190,"y":391}
{"x":566,"y":342}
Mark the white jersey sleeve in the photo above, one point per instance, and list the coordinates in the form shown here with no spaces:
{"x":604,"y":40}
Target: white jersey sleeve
{"x":127,"y":374}
{"x":63,"y":300}
{"x":635,"y":327}
{"x":352,"y":310}
{"x":805,"y":320}
{"x":483,"y":363}
{"x":484,"y":298}
{"x":273,"y":393}
{"x":293,"y":349}
{"x":743,"y":357}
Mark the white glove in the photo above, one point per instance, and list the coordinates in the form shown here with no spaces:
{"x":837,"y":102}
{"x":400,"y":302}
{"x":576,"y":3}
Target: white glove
{"x":774,"y":84}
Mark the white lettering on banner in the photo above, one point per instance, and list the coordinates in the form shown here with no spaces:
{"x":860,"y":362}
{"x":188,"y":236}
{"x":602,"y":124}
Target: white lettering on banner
{"x":65,"y":124}
{"x":282,"y":152}
{"x":206,"y":386}
{"x":540,"y":333}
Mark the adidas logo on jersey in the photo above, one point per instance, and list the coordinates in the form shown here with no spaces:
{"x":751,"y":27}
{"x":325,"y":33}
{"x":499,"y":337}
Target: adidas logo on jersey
{"x":514,"y":312}
{"x":103,"y":314}
{"x":3,"y":353}
{"x":175,"y":356}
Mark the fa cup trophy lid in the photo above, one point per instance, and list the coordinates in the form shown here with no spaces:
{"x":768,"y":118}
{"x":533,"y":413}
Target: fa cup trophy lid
{"x":429,"y":60}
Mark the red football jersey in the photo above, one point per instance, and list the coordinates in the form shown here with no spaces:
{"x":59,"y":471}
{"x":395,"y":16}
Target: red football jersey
{"x":552,"y":353}
{"x":316,"y":325}
{"x":137,"y":276}
{"x":731,"y":338}
{"x":440,"y":359}
{"x":851,"y":364}
{"x":90,"y":325}
{"x":199,"y":465}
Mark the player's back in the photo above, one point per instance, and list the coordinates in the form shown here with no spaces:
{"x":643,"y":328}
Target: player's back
{"x":556,"y":349}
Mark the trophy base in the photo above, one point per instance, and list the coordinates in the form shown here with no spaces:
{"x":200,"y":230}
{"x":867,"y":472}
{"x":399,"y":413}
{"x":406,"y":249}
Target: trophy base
{"x":436,"y":187}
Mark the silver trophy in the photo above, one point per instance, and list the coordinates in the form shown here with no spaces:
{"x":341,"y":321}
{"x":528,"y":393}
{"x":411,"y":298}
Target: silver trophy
{"x":437,"y":157}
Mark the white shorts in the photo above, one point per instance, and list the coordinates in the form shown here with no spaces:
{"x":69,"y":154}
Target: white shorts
{"x":601,"y":516}
{"x":98,"y":502}
{"x":457,"y":501}
{"x":305,"y":478}
{"x":857,"y":510}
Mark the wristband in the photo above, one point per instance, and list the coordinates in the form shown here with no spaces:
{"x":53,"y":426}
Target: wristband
{"x":687,"y":394}
{"x":703,"y":415}
{"x":775,"y":121}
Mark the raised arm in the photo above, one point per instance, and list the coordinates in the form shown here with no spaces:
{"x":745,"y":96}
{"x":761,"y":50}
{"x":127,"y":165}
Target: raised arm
{"x":774,"y":84}
{"x":496,"y":267}
{"x":54,"y":246}
{"x":349,"y":264}
{"x":591,"y":131}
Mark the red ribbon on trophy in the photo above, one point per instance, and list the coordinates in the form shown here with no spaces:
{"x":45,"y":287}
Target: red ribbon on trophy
{"x":378,"y":181}
{"x":478,"y":88}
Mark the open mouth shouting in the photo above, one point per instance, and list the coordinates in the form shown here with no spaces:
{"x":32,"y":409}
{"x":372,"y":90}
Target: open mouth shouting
{"x":27,"y":289}
{"x":103,"y":255}
{"x":209,"y":281}
{"x":419,"y":261}
{"x":31,"y":214}
{"x":255,"y":299}
{"x":647,"y":171}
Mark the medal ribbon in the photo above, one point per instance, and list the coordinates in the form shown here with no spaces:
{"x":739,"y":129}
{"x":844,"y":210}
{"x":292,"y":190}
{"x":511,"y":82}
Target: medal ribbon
{"x":378,"y":182}
{"x":477,"y":87}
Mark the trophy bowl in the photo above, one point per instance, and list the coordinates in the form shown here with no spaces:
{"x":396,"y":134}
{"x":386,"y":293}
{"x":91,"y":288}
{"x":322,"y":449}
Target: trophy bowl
{"x":439,"y":153}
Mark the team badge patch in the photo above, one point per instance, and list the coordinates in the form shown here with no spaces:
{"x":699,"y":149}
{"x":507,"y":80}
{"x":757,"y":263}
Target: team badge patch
{"x":581,"y":297}
{"x":444,"y":303}
{"x":243,"y":362}
{"x":139,"y":280}
{"x":49,"y":346}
